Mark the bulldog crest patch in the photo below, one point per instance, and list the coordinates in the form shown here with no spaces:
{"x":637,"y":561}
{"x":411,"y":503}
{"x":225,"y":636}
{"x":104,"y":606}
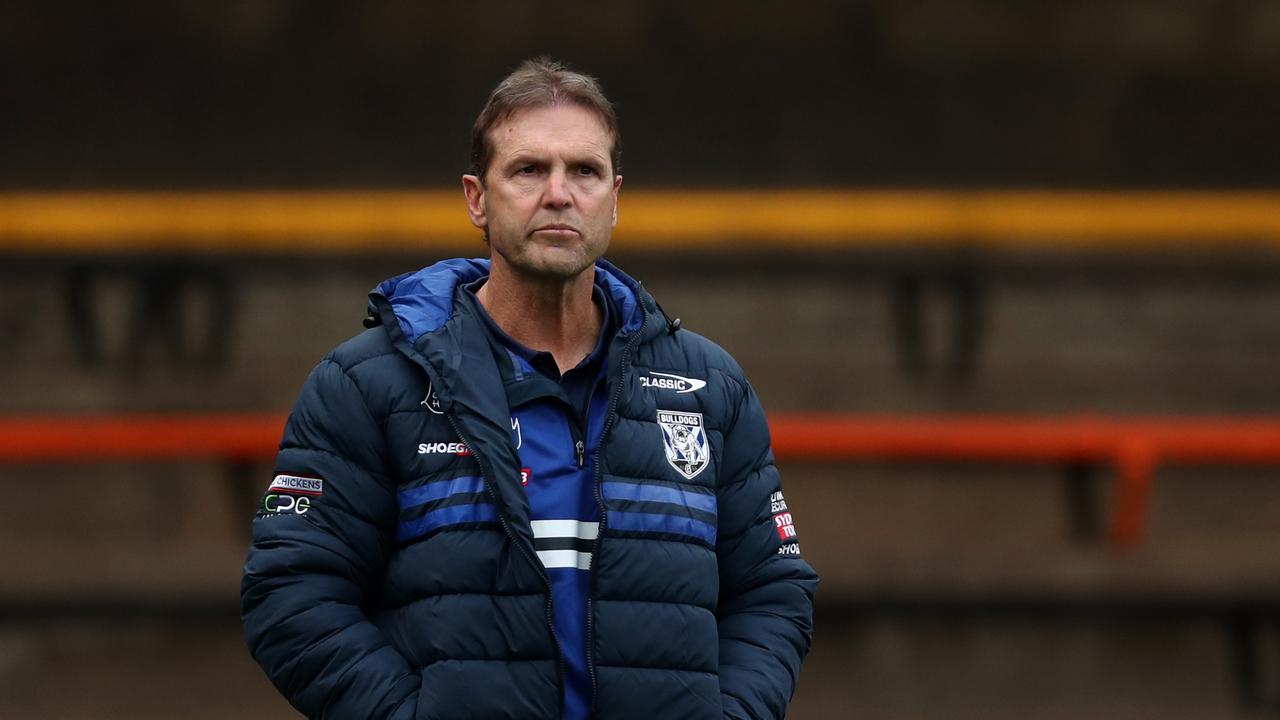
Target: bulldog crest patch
{"x":685,"y":441}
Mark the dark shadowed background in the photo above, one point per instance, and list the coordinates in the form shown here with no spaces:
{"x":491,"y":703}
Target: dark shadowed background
{"x":957,"y":588}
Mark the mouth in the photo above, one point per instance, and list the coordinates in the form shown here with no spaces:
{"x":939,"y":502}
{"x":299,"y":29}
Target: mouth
{"x":556,"y":229}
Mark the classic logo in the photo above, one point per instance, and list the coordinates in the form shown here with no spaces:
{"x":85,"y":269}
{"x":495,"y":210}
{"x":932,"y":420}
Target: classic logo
{"x":432,"y":401}
{"x":685,"y":441}
{"x":667,"y":381}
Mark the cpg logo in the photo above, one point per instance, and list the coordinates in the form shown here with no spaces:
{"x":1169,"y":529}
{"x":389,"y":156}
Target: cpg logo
{"x":276,"y":504}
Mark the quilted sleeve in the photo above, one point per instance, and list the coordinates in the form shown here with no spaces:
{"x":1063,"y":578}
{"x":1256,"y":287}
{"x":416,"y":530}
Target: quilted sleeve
{"x":765,"y":610}
{"x":321,"y":538}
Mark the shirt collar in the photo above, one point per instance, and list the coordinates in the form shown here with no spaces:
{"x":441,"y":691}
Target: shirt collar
{"x":541,"y":360}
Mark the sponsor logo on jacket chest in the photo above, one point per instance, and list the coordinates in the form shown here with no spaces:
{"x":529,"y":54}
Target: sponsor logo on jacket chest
{"x":432,"y":401}
{"x":667,"y":381}
{"x":460,"y":449}
{"x":443,"y":448}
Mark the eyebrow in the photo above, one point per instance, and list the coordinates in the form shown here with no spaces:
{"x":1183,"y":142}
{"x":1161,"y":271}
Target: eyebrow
{"x":530,"y":158}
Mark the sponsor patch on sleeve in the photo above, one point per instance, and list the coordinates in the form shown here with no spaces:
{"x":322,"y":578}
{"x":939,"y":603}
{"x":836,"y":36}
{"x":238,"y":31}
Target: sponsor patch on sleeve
{"x":785,"y":525}
{"x":299,"y":484}
{"x":290,"y":495}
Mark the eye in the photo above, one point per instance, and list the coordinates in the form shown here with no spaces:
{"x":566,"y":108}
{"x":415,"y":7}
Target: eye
{"x":527,"y":170}
{"x":587,"y":170}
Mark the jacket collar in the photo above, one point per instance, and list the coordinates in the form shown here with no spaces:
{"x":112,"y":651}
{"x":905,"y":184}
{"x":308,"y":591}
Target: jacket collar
{"x":419,"y":311}
{"x":421,"y":315}
{"x":422,"y":302}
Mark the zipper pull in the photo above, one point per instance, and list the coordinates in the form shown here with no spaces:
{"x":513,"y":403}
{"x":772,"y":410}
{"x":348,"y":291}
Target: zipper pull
{"x":581,"y":449}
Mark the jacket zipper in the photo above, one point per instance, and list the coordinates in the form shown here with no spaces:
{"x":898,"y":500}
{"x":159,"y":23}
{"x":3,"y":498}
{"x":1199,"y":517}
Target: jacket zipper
{"x":610,"y":413}
{"x":537,"y":564}
{"x":578,"y":434}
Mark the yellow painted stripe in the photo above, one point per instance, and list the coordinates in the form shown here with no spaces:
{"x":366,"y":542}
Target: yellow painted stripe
{"x":320,"y":221}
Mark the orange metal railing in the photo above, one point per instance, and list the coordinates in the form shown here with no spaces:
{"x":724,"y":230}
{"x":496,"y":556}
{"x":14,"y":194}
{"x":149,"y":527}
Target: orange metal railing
{"x":434,"y":220}
{"x":1134,"y":446}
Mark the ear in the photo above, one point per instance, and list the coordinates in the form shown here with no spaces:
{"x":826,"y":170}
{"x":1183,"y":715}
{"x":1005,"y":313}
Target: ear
{"x":617,"y":185}
{"x":474,"y":191}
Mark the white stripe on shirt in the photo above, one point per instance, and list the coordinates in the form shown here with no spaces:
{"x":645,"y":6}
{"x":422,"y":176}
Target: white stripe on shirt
{"x":565,"y":529}
{"x":565,"y":559}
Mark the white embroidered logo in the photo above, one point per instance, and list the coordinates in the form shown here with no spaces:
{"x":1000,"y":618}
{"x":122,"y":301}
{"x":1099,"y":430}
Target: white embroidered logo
{"x":667,"y":381}
{"x":432,"y":401}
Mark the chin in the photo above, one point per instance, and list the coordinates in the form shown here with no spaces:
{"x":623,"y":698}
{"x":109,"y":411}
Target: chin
{"x":558,"y":271}
{"x":556,"y":266}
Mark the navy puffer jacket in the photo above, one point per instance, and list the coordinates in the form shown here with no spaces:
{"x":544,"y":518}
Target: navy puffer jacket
{"x":361,"y":604}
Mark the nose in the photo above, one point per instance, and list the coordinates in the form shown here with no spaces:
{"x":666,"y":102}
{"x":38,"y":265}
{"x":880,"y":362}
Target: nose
{"x":556,"y":193}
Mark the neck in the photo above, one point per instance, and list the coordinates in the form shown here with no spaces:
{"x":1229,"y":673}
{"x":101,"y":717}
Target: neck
{"x":556,"y":316}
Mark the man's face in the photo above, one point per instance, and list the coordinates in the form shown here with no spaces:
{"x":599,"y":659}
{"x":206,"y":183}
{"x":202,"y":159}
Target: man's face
{"x":549,"y":201}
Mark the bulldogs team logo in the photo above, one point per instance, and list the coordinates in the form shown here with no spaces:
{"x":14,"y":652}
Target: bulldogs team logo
{"x":685,"y":441}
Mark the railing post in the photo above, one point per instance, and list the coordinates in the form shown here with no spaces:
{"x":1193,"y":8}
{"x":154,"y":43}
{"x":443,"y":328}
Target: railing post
{"x":1136,"y":461}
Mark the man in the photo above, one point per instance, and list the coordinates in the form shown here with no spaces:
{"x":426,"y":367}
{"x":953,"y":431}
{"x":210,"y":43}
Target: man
{"x":524,"y":492}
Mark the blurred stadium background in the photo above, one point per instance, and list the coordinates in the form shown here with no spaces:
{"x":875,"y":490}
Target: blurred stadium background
{"x":1007,"y":274}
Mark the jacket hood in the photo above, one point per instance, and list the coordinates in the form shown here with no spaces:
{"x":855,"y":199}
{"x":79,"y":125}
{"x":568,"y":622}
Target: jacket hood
{"x":422,"y":301}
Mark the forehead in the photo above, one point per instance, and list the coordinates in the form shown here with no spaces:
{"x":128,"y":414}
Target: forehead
{"x":555,"y":129}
